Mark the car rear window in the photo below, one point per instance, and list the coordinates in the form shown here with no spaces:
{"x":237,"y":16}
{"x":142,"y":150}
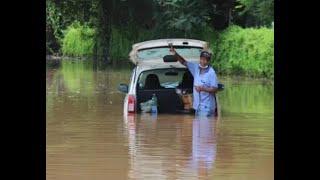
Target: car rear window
{"x":160,"y":52}
{"x":168,"y":78}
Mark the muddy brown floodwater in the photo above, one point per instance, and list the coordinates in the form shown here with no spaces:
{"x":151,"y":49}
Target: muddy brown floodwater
{"x":88,"y":137}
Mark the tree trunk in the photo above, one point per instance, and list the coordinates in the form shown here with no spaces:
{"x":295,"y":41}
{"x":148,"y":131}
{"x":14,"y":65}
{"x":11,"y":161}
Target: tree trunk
{"x":104,"y":29}
{"x":229,"y":16}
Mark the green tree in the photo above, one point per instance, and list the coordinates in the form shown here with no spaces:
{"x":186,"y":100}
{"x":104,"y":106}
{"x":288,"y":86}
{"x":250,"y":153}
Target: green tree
{"x":53,"y":28}
{"x":251,"y":13}
{"x":62,"y":13}
{"x":220,"y":12}
{"x":180,"y":16}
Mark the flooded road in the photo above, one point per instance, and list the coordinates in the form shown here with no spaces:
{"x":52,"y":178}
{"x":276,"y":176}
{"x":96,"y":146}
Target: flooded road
{"x":88,"y":137}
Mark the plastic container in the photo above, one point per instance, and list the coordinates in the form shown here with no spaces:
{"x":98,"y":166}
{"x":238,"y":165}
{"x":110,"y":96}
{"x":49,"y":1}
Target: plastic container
{"x":154,"y":104}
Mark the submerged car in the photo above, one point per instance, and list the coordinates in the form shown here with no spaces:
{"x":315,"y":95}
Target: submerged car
{"x":157,"y":72}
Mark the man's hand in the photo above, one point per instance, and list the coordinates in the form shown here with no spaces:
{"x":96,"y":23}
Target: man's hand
{"x":209,"y":89}
{"x":173,"y":50}
{"x":199,"y":88}
{"x":180,"y":59}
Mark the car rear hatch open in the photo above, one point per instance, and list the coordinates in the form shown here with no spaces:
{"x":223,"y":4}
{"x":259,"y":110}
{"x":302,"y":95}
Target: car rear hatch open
{"x":152,"y":52}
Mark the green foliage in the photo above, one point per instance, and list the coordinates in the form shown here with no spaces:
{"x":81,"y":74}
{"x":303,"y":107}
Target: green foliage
{"x":78,"y":40}
{"x":122,"y":40}
{"x":53,"y":19}
{"x":53,"y":28}
{"x":209,"y":35}
{"x":74,"y":10}
{"x":250,"y":13}
{"x":245,"y":5}
{"x":120,"y":44}
{"x":245,"y":51}
{"x":181,"y":16}
{"x":109,"y":28}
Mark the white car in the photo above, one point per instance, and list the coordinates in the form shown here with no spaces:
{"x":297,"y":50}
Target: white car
{"x":169,"y":80}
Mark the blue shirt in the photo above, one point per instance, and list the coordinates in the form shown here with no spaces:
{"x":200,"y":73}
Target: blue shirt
{"x":202,"y":100}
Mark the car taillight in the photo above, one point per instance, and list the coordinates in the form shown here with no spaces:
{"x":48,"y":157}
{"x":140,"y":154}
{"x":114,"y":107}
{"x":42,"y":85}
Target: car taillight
{"x":131,"y":103}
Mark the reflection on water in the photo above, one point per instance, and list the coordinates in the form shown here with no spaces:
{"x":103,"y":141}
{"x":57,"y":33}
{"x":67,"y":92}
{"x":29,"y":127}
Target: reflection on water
{"x":170,"y":147}
{"x":89,"y":137}
{"x":243,"y":96}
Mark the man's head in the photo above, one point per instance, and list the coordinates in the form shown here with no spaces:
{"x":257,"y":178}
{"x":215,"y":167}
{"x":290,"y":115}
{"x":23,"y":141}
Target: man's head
{"x":205,"y":57}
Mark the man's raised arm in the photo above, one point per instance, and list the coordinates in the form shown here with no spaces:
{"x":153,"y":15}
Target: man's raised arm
{"x":180,"y":58}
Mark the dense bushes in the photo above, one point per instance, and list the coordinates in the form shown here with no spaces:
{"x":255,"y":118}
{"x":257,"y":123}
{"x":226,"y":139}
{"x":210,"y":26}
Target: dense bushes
{"x":245,"y":51}
{"x":78,"y":40}
{"x":237,"y":51}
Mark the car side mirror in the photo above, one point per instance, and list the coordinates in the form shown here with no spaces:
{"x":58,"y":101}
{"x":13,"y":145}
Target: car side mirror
{"x":170,"y":58}
{"x":123,"y":88}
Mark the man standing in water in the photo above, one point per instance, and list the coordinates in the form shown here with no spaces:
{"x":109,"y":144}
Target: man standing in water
{"x":205,"y":83}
